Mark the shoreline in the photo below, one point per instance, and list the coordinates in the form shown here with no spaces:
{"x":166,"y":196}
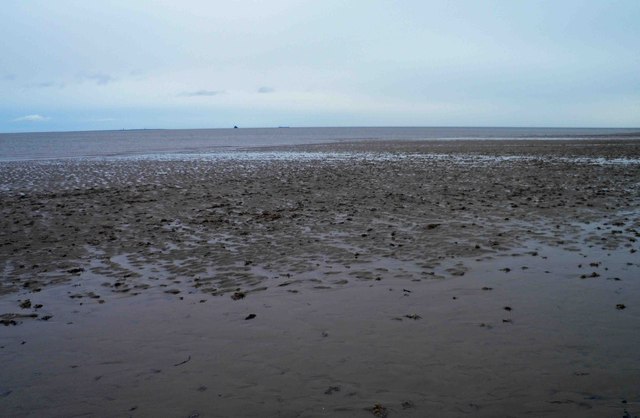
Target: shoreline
{"x":159,"y":142}
{"x":616,"y":148}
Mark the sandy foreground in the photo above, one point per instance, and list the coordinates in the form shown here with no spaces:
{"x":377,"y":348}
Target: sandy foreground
{"x":444,"y":279}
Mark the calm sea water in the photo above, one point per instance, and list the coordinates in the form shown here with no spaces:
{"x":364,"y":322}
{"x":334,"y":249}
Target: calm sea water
{"x":54,"y":145}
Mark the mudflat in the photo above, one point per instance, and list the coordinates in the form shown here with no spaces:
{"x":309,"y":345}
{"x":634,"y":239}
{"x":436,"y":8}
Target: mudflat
{"x":372,"y":278}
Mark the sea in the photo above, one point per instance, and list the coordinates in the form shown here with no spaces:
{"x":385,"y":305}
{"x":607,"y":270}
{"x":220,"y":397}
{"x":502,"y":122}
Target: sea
{"x":159,"y":142}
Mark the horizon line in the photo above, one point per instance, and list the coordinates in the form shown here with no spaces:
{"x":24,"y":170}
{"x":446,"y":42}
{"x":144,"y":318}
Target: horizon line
{"x":234,"y":128}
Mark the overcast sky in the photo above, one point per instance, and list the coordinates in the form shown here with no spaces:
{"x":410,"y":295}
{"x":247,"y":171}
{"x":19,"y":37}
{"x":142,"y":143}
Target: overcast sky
{"x":75,"y":65}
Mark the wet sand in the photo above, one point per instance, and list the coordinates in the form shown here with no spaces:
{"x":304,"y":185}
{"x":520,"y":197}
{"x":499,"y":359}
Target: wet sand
{"x":484,"y":278}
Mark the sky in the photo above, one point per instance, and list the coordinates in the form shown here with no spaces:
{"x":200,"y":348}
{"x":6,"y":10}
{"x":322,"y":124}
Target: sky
{"x":122,"y":64}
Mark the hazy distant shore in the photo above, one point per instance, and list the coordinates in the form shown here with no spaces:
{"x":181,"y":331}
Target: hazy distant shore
{"x":152,"y":142}
{"x":430,"y":278}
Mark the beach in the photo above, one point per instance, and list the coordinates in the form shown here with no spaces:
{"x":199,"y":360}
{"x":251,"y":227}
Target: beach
{"x":360,"y":278}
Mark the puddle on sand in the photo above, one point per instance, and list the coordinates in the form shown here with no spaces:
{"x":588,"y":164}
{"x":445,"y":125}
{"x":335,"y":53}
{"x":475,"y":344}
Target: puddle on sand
{"x":562,"y":348}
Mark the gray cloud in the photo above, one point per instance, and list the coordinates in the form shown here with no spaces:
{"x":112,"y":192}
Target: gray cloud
{"x":200,"y":93}
{"x":32,"y":118}
{"x":46,"y":84}
{"x":100,"y":79}
{"x":265,"y":89}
